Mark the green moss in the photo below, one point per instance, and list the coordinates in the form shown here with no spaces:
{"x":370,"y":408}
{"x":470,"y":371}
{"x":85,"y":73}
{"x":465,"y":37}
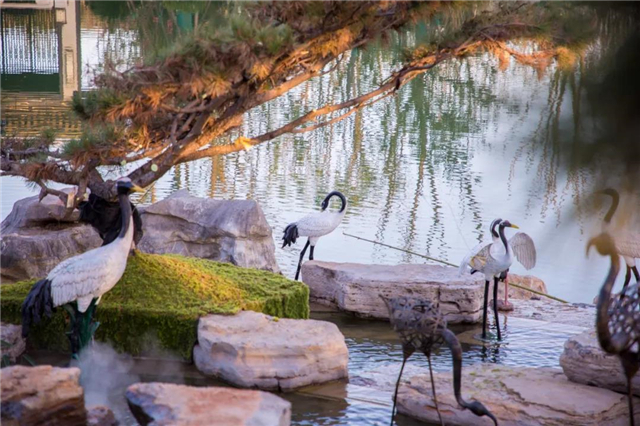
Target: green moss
{"x":162,"y":296}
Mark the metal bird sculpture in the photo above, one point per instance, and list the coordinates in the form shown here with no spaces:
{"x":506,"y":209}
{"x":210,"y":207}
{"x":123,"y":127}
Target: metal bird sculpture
{"x":617,"y":319}
{"x":79,"y":282}
{"x":314,"y":226}
{"x":422,"y":327}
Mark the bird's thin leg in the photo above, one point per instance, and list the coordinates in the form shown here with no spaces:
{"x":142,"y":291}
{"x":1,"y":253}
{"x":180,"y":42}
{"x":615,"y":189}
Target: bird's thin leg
{"x":311,"y":252}
{"x":636,"y":273}
{"x":395,"y":394}
{"x":484,"y":310}
{"x":300,"y":260}
{"x":506,"y":289}
{"x":495,"y":305}
{"x":433,"y":389}
{"x":632,"y":421}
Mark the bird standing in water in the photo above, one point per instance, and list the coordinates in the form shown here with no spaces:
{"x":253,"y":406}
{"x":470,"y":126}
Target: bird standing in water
{"x":314,"y":226}
{"x":421,"y":326}
{"x":494,"y":259}
{"x":617,"y":324}
{"x":79,"y":282}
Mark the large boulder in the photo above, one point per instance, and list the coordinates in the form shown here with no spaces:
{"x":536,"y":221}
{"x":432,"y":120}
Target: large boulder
{"x":36,"y":236}
{"x":516,"y":396}
{"x":234,"y":231}
{"x":250,"y":349}
{"x":43,"y":395}
{"x":168,"y":404}
{"x":583,"y":361}
{"x":16,"y":344}
{"x":357,"y":288}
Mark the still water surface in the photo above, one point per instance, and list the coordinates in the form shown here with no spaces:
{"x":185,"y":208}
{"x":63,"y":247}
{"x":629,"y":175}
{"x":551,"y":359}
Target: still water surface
{"x":426,"y":171}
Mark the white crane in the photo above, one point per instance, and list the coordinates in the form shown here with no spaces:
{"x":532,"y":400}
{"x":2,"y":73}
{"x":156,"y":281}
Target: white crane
{"x":494,"y":259}
{"x":79,"y":282}
{"x":314,"y":226}
{"x":627,"y":243}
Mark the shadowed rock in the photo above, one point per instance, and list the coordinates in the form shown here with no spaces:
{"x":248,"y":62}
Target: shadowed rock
{"x":157,"y":404}
{"x":42,"y":395}
{"x":12,"y":334}
{"x":250,"y":349}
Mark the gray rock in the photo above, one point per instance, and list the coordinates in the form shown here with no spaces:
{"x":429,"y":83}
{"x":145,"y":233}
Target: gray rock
{"x":100,"y":415}
{"x":234,"y":231}
{"x":574,"y":314}
{"x":356,"y":288}
{"x":12,"y":334}
{"x":36,"y":237}
{"x":251,"y":349}
{"x":158,"y":404}
{"x":42,"y":395}
{"x":516,"y":396}
{"x":583,"y":361}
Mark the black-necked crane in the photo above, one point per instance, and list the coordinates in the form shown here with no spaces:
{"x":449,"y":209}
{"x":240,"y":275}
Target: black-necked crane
{"x":617,"y":322}
{"x":494,"y":259}
{"x":627,"y":242}
{"x":314,"y":226}
{"x":79,"y":282}
{"x":422,"y":327}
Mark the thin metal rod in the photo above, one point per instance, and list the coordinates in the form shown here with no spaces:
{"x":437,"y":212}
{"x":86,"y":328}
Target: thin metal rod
{"x":451,"y":264}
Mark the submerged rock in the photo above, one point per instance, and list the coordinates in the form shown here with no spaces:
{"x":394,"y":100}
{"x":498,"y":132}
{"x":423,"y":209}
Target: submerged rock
{"x":234,"y":231}
{"x":574,"y":314}
{"x":583,"y":361}
{"x":36,"y":236}
{"x":100,"y":415}
{"x":169,"y":404}
{"x":250,"y":349}
{"x":357,"y":288}
{"x":42,"y":395}
{"x":12,"y":334}
{"x":516,"y":396}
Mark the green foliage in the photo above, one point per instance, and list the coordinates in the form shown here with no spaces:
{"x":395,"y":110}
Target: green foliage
{"x":95,"y":102}
{"x":162,"y":296}
{"x":93,"y":138}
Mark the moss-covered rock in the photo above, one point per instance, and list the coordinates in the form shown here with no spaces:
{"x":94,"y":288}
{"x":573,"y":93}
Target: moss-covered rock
{"x":161,"y":297}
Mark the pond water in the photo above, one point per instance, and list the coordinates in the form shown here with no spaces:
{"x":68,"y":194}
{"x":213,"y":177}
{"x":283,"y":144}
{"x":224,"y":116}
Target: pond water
{"x":426,"y":170}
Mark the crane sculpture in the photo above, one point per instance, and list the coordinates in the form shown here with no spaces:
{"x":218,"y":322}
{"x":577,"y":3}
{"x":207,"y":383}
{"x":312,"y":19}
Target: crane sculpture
{"x":421,"y":326}
{"x":617,"y":319}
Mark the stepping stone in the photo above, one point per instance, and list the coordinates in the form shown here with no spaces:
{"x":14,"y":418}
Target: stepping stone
{"x":12,"y":334}
{"x":356,"y":288}
{"x":516,"y":396}
{"x":158,"y":404}
{"x":251,"y":349}
{"x":583,"y":361}
{"x":42,"y":395}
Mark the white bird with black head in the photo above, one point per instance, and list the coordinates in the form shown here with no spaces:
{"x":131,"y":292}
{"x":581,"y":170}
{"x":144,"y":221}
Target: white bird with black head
{"x":315,"y":226}
{"x":79,"y":282}
{"x":494,"y":260}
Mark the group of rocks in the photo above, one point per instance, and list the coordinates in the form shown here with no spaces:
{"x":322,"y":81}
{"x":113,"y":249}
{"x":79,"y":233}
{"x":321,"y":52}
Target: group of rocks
{"x":253,"y":350}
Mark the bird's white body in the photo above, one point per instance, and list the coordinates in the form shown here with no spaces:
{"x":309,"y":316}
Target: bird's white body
{"x":492,"y":259}
{"x":627,"y":244}
{"x":316,"y":225}
{"x":91,"y":274}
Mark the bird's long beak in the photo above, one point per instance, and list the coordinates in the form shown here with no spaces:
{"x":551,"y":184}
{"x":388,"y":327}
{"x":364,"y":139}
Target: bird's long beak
{"x":514,"y":226}
{"x":136,"y":188}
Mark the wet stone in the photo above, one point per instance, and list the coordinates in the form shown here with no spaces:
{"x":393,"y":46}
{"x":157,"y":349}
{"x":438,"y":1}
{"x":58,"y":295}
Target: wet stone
{"x":251,"y":349}
{"x":16,"y":344}
{"x":158,"y":404}
{"x":100,"y":415}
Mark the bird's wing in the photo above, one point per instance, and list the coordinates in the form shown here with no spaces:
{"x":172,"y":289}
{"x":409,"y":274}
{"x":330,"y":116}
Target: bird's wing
{"x":628,"y":245}
{"x":524,"y":249}
{"x":79,"y":276}
{"x":316,"y":224}
{"x":476,"y":258}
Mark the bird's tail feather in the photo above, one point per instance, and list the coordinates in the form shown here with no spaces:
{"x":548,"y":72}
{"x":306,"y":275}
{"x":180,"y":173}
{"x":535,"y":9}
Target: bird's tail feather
{"x":290,"y":235}
{"x":37,"y":303}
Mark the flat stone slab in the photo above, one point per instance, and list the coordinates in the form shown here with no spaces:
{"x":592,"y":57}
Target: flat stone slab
{"x":356,"y":288}
{"x":583,"y":361}
{"x":516,"y":396}
{"x":42,"y":395}
{"x":158,"y":404}
{"x":575,"y":314}
{"x":251,"y":349}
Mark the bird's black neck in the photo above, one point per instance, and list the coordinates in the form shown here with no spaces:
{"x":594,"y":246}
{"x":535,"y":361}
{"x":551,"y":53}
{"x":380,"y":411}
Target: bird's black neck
{"x":493,"y":227}
{"x":125,"y":211}
{"x":604,"y":303}
{"x":503,"y":238}
{"x":615,"y":200}
{"x":338,"y":194}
